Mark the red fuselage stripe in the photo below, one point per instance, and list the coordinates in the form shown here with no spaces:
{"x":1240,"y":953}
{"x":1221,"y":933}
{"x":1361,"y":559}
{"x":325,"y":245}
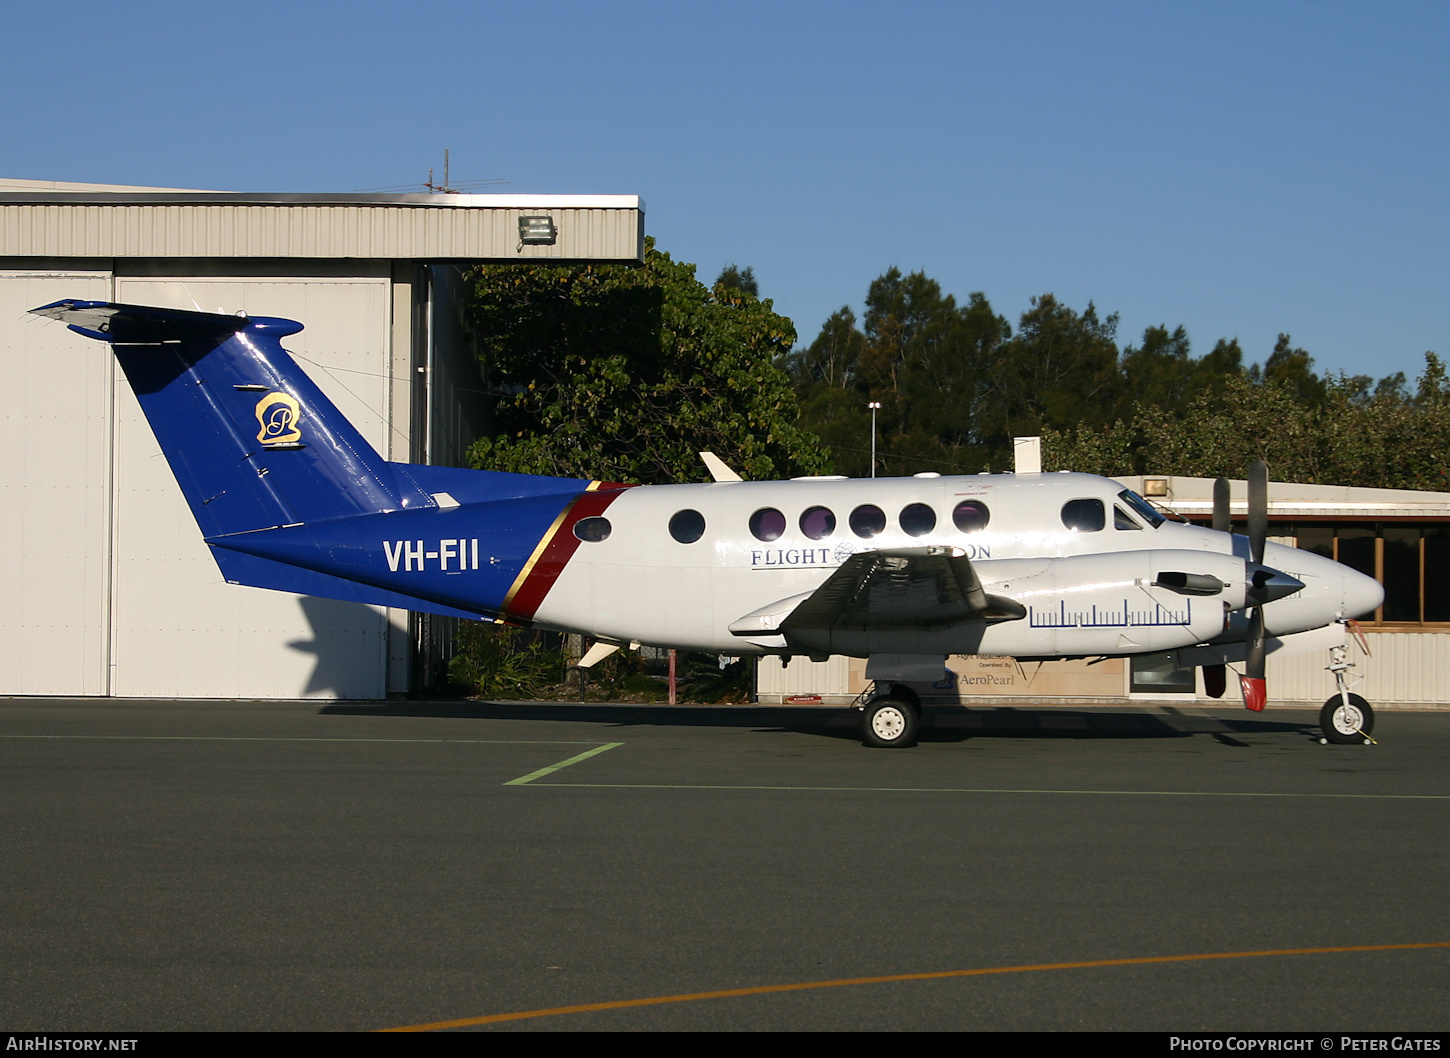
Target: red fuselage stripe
{"x":556,"y":554}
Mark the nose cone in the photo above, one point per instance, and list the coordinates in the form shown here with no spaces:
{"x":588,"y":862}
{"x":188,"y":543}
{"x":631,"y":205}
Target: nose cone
{"x":1362,"y":595}
{"x":1270,"y":584}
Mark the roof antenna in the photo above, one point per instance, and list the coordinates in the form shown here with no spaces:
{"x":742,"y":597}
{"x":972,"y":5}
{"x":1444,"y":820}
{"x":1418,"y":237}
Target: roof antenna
{"x":444,"y":188}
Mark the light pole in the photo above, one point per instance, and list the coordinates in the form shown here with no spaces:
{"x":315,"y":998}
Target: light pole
{"x":874,"y":405}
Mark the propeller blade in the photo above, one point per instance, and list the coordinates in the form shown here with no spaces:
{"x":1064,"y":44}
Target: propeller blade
{"x":1258,"y":509}
{"x":1215,"y":680}
{"x":1255,"y":690}
{"x":1222,"y":521}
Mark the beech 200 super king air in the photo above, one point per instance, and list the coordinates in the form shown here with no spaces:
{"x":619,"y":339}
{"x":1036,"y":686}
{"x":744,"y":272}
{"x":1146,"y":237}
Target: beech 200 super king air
{"x":901,"y":571}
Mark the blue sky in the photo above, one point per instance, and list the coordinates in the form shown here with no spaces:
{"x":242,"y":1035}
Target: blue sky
{"x":1241,"y":169}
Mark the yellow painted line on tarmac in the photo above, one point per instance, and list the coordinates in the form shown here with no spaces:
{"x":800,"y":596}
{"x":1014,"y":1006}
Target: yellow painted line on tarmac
{"x":493,"y":1019}
{"x":524,"y":780}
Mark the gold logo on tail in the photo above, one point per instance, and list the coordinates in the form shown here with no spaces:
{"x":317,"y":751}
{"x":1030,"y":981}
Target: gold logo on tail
{"x":279,"y":415}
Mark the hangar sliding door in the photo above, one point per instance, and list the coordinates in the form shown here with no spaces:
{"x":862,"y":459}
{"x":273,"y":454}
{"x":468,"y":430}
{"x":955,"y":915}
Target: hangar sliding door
{"x":55,"y":533}
{"x":177,"y":629}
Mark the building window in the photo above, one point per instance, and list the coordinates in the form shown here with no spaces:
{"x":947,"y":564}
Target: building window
{"x":1411,"y":560}
{"x":1160,"y":674}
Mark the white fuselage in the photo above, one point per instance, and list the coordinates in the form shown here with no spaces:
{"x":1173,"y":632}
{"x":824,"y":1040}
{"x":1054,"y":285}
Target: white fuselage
{"x":1088,"y":590}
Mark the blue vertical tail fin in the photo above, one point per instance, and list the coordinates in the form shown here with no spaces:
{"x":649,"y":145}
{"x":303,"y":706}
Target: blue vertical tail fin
{"x":253,"y":442}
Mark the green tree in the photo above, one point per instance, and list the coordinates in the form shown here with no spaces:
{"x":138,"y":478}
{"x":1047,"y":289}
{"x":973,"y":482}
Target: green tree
{"x":1059,"y":370}
{"x":625,"y":374}
{"x":736,"y":278}
{"x":919,"y":354}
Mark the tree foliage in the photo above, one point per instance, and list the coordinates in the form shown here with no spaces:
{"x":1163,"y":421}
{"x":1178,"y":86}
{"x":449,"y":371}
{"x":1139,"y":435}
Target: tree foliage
{"x":625,"y":374}
{"x":957,"y":383}
{"x":1330,"y":430}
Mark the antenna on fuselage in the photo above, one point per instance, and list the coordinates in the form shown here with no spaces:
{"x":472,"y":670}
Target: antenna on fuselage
{"x":718,"y":468}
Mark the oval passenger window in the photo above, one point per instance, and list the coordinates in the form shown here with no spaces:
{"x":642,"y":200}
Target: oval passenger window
{"x":592,"y":529}
{"x":918,"y":519}
{"x":818,"y":523}
{"x":1084,"y":516}
{"x":687,"y":526}
{"x":971,"y":516}
{"x":867,"y":520}
{"x":767,"y":524}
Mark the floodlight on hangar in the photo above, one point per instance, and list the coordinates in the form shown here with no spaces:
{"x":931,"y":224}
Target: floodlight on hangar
{"x":537,"y":231}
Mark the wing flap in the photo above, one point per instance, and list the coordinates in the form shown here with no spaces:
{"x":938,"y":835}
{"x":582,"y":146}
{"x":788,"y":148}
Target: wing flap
{"x":889,"y":590}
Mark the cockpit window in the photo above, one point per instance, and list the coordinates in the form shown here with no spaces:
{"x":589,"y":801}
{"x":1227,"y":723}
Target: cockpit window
{"x":1084,"y":516}
{"x":1141,"y":507}
{"x":1123,"y":520}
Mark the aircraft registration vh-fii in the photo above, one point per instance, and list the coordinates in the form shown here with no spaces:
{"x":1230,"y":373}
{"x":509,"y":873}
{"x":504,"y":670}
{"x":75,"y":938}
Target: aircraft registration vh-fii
{"x":900,"y":571}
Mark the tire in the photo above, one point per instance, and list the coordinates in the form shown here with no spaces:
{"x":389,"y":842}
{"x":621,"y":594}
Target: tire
{"x":889,"y":723}
{"x":1343,"y":725}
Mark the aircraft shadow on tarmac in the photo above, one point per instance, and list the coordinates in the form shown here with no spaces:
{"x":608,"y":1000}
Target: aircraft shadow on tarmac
{"x":939,"y":724}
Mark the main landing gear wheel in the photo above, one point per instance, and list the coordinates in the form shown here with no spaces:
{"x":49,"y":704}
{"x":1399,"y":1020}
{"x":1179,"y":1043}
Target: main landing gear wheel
{"x":1346,"y":724}
{"x":889,"y":723}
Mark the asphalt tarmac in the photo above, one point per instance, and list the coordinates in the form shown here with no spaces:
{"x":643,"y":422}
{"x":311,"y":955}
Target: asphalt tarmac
{"x":210,"y":865}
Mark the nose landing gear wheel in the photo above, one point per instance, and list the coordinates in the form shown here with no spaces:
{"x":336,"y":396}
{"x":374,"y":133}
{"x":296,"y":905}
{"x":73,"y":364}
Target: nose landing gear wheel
{"x":1344,"y":724}
{"x":888,"y":723}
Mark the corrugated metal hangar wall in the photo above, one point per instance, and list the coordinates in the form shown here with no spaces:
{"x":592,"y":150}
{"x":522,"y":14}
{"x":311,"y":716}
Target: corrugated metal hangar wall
{"x":108,"y":587}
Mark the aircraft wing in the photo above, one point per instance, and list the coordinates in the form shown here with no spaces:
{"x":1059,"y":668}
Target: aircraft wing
{"x":896,"y":590}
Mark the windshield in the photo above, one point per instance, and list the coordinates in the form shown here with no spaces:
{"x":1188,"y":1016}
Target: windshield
{"x":1142,"y":507}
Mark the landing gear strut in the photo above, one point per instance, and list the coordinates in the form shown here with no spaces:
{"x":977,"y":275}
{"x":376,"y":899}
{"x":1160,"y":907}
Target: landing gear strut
{"x":1346,"y":718}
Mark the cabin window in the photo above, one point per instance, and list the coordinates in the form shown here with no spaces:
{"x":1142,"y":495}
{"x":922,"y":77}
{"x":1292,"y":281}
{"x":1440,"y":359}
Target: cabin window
{"x":767,"y":524}
{"x":867,"y":520}
{"x":1084,"y":516}
{"x":818,"y":523}
{"x":917,"y":519}
{"x":687,"y":526}
{"x":971,"y":516}
{"x":592,"y":530}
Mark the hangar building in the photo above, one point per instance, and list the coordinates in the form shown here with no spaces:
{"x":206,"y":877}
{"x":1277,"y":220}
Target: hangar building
{"x":108,"y":587}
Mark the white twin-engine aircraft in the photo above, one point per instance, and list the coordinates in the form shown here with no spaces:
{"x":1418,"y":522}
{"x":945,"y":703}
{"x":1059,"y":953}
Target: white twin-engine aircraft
{"x":901,"y":571}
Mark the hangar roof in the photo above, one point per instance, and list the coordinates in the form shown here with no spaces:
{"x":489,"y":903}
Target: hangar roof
{"x":1193,"y":498}
{"x":43,"y":219}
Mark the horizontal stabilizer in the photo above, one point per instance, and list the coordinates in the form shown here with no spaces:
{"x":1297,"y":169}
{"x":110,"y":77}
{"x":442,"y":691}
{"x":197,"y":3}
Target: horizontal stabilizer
{"x":140,"y":323}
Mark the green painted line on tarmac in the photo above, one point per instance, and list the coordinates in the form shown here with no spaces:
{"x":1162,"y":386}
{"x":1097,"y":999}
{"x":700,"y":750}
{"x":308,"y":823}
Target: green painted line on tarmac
{"x":970,"y":790}
{"x":525,"y":780}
